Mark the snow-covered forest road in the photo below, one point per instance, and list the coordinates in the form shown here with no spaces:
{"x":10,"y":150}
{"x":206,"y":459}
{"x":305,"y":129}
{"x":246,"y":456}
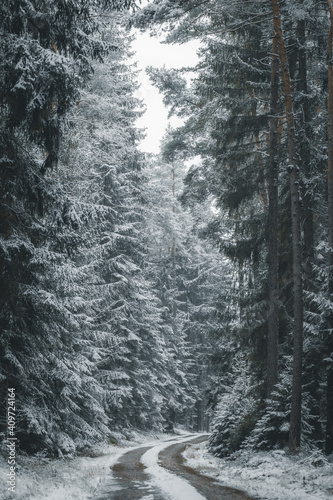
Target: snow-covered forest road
{"x":158,"y":473}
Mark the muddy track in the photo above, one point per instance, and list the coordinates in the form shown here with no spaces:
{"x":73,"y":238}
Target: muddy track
{"x":131,"y":481}
{"x":171,"y":458}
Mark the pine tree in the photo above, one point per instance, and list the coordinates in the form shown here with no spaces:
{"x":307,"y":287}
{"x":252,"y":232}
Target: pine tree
{"x":186,"y":273}
{"x":46,"y":50}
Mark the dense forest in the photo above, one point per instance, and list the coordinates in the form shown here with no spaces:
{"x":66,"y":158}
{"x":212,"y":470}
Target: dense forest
{"x":191,"y":288}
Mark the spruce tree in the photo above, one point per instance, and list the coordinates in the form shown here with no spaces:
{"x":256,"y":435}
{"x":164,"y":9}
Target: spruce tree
{"x":46,"y":53}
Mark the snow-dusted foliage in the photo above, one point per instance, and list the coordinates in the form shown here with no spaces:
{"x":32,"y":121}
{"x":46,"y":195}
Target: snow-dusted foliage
{"x":186,"y":272}
{"x":116,"y":309}
{"x":235,"y":122}
{"x":46,"y":53}
{"x":91,"y":339}
{"x":128,"y":347}
{"x":234,"y":411}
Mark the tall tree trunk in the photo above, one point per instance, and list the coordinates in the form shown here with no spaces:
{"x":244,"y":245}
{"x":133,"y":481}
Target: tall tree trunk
{"x":302,"y":86}
{"x":173,"y":248}
{"x":295,"y":418}
{"x":173,"y":212}
{"x":329,"y":403}
{"x":305,"y":139}
{"x":273,"y":214}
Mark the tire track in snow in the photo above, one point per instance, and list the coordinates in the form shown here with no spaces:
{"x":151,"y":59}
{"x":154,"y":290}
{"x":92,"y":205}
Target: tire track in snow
{"x":173,"y":486}
{"x":171,"y":458}
{"x":131,"y":481}
{"x":157,"y":472}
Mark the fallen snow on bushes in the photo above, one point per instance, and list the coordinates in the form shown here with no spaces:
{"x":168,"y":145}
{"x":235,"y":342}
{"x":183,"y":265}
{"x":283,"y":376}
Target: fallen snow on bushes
{"x":271,"y":475}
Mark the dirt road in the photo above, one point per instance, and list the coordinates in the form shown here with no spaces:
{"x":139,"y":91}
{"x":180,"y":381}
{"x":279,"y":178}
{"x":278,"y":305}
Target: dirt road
{"x":172,"y":459}
{"x":131,"y":481}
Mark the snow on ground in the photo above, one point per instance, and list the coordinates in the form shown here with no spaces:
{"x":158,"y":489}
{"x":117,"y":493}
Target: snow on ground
{"x":81,"y":478}
{"x":264,"y":475}
{"x":271,"y":475}
{"x":174,"y":487}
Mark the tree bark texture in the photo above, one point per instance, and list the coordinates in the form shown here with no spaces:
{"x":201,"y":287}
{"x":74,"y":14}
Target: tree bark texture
{"x":329,"y":411}
{"x":305,"y":152}
{"x":273,"y":214}
{"x":295,"y":419}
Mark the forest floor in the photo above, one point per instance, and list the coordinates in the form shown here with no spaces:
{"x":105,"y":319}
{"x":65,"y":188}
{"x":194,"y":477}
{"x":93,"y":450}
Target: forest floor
{"x":97,"y":475}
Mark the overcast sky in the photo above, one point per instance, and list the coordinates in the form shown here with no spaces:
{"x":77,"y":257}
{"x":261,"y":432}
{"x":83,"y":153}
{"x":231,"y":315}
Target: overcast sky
{"x":150,"y":52}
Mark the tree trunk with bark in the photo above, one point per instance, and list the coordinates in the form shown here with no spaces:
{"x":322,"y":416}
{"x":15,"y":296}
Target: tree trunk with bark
{"x":296,"y":413}
{"x":305,"y":117}
{"x":329,"y":402}
{"x":273,"y":215}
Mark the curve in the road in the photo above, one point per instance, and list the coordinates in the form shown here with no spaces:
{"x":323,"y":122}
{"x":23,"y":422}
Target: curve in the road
{"x":131,"y":481}
{"x":171,"y":458}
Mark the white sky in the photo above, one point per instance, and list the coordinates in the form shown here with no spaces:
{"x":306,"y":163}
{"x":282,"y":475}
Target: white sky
{"x":150,"y":52}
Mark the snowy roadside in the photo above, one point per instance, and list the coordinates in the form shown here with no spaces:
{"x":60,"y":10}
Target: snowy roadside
{"x":81,"y":478}
{"x":267,"y":475}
